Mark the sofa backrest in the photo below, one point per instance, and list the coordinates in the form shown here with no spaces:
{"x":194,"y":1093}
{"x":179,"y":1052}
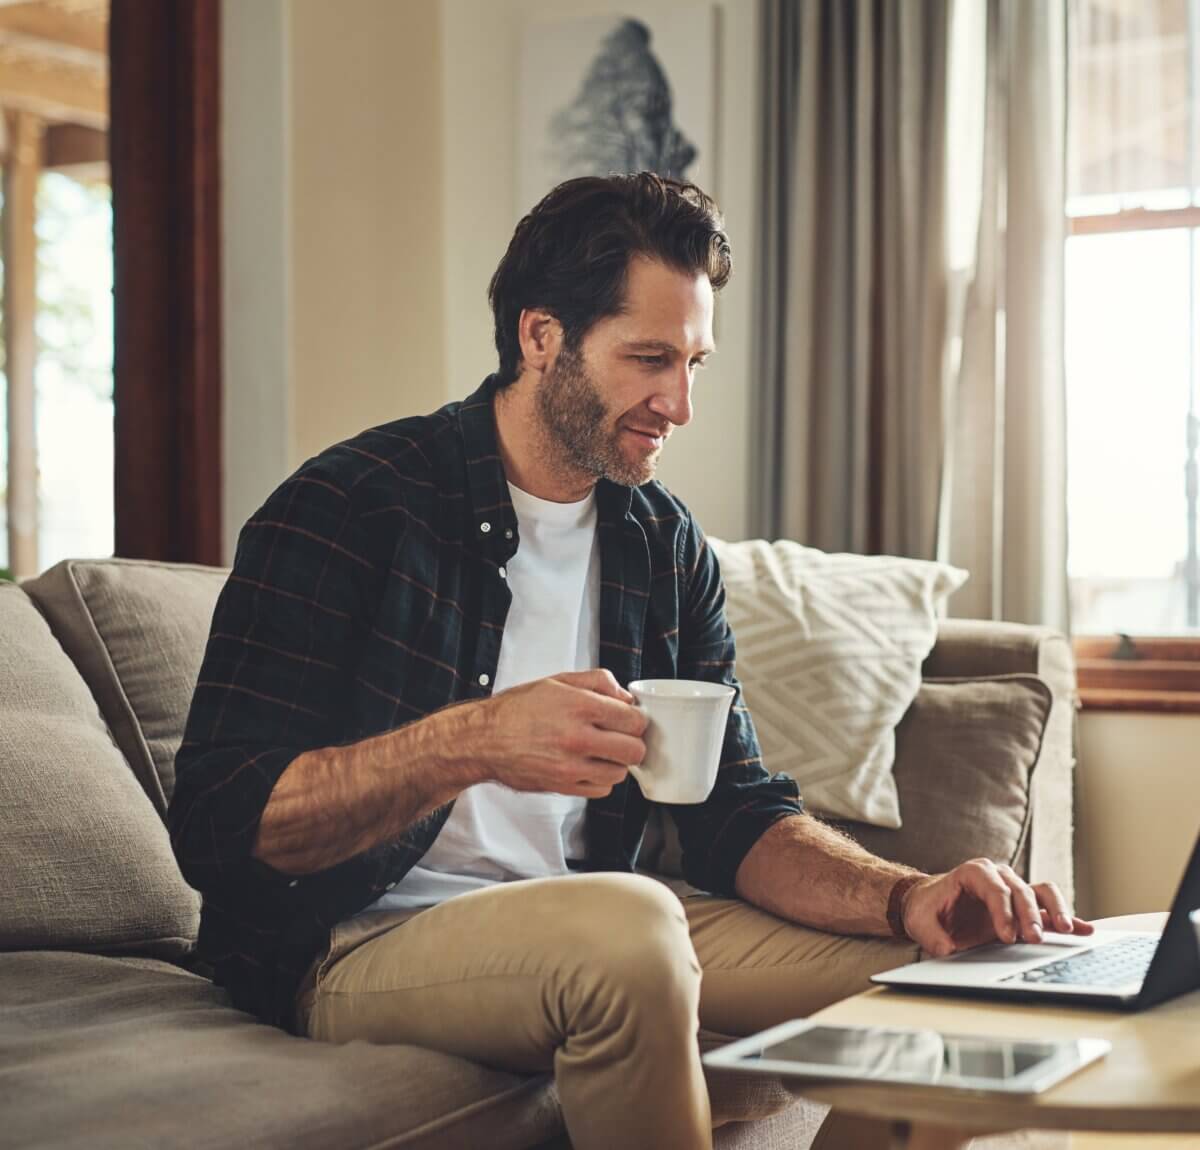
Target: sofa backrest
{"x":86,"y":860}
{"x":136,"y":630}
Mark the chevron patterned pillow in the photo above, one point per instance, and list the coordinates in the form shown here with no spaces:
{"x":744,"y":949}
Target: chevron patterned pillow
{"x":829,"y":653}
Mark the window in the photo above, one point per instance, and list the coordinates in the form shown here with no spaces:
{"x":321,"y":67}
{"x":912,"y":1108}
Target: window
{"x":56,"y":271}
{"x":1132,"y":310}
{"x":1133,"y":351}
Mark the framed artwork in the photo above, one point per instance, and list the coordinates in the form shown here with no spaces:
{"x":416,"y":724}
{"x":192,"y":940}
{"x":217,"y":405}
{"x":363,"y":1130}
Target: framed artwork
{"x":617,"y":94}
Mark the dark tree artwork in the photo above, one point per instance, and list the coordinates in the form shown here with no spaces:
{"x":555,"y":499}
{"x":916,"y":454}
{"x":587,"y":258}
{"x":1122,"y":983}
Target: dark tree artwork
{"x":621,"y":120}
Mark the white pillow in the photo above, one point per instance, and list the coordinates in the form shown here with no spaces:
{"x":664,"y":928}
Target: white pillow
{"x":829,"y":653}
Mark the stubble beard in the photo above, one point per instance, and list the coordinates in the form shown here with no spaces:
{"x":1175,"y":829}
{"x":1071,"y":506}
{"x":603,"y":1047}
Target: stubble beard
{"x":580,"y":436}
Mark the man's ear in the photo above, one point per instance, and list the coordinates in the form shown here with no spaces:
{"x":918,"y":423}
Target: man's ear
{"x":540,"y":335}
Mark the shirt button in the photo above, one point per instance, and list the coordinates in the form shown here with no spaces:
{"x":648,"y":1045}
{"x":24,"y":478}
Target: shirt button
{"x":484,"y":679}
{"x":503,"y":572}
{"x":294,"y":882}
{"x":508,"y":533}
{"x":485,"y":527}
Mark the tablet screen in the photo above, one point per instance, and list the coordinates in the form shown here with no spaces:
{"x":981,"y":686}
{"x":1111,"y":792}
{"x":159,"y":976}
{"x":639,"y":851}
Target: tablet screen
{"x":913,"y":1055}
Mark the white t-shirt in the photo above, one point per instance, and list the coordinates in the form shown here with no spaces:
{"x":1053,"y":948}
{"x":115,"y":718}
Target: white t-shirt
{"x":495,"y":834}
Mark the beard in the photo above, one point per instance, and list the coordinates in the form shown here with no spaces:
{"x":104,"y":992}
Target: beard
{"x":581,"y":435}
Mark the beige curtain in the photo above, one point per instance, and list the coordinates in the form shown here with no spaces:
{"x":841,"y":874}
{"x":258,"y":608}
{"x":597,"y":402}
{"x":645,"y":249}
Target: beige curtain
{"x":910,"y":389}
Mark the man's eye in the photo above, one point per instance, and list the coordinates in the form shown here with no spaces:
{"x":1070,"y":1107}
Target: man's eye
{"x":651,"y":360}
{"x":699,"y":362}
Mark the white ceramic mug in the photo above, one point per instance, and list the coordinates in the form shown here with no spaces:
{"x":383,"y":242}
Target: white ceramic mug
{"x":683,"y":739}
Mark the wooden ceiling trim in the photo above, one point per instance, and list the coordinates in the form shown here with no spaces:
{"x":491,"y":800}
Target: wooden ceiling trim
{"x":54,"y":91}
{"x":80,"y":31}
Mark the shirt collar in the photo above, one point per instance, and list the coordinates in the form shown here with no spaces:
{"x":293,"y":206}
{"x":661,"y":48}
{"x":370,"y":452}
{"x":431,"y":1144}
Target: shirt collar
{"x":491,"y":507}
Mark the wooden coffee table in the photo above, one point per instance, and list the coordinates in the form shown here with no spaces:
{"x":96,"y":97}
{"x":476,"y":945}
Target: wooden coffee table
{"x":1148,"y":1083}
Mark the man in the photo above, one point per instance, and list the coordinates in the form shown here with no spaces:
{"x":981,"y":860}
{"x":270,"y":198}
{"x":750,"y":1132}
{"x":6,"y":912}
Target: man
{"x":411,"y":726}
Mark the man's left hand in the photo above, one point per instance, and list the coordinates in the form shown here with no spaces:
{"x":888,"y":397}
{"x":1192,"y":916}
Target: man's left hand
{"x":983,"y":901}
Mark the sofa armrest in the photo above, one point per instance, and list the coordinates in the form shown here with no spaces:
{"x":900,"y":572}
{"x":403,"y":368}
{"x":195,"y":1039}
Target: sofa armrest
{"x":972,"y":648}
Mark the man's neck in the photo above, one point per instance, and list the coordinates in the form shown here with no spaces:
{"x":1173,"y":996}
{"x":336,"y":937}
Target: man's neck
{"x":531,"y":460}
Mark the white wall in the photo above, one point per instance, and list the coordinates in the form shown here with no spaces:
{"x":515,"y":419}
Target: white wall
{"x":332,"y":230}
{"x":1139,"y":807}
{"x":367,"y":216}
{"x":706,"y":463}
{"x":256,"y":256}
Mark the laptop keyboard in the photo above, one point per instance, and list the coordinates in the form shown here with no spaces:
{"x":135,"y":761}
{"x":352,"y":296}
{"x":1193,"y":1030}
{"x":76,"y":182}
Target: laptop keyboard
{"x":1112,"y":964}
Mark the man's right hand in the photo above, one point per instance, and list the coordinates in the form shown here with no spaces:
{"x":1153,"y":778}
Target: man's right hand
{"x":572,"y":734}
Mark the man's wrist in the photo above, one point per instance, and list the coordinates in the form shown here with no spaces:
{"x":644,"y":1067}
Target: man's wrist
{"x":462,"y":740}
{"x":897,"y":900}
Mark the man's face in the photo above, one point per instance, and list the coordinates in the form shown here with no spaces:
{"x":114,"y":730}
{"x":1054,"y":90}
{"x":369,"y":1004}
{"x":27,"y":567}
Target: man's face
{"x":609,"y":405}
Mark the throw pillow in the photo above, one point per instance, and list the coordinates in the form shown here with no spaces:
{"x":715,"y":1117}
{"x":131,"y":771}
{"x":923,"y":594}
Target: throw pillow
{"x":87,"y":863}
{"x":829,"y":653}
{"x":136,"y":630}
{"x":965,"y":754}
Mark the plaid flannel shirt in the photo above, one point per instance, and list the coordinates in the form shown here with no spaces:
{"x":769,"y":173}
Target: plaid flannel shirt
{"x":364,"y":595}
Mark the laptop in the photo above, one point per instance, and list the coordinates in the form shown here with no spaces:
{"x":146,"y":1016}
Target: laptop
{"x":1123,"y":969}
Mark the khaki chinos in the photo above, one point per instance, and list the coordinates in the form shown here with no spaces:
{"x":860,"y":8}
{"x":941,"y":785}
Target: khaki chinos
{"x":603,"y":979}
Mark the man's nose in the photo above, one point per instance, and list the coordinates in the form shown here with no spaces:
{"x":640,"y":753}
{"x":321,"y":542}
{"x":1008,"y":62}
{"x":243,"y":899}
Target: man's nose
{"x":673,"y":400}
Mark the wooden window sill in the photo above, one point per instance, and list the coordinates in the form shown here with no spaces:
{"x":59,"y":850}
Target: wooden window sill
{"x":1152,"y":702}
{"x":1159,"y":675}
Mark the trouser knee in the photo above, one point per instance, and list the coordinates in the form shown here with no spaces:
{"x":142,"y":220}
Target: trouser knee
{"x":638,"y":943}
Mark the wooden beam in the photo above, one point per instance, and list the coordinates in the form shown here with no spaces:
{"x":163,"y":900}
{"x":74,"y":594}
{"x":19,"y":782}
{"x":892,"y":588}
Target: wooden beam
{"x":20,"y":310}
{"x":57,"y":92}
{"x":74,"y":146}
{"x":83,"y":32}
{"x":166,"y":278}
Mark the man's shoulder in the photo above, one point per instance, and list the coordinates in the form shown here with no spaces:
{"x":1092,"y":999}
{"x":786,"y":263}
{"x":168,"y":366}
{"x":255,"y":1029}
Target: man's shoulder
{"x":390,"y":462}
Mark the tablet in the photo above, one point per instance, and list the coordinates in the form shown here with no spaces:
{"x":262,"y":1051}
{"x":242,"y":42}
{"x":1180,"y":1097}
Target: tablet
{"x":814,"y":1050}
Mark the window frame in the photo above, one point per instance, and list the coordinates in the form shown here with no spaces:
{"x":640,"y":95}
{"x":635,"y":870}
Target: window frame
{"x":1159,"y":673}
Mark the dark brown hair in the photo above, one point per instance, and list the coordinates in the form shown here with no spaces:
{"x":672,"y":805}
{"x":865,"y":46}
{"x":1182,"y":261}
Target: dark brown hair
{"x":571,"y":253}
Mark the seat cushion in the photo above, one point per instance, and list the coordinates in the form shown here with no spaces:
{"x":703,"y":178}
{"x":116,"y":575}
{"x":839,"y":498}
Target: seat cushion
{"x":85,"y":859}
{"x":109,"y":1052}
{"x":136,"y":630}
{"x":98,"y":1052}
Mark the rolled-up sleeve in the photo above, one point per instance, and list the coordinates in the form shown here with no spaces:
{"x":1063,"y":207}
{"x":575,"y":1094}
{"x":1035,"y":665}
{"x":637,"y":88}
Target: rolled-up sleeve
{"x":285,"y":639}
{"x":718,"y":833}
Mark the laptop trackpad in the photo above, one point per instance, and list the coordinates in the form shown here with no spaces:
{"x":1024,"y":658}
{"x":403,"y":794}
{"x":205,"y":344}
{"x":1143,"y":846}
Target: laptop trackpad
{"x":1017,"y":952}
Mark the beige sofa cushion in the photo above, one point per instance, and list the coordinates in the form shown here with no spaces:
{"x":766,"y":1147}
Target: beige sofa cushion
{"x":136,"y":630}
{"x":98,"y":1052}
{"x":965,"y":754}
{"x":86,"y":861}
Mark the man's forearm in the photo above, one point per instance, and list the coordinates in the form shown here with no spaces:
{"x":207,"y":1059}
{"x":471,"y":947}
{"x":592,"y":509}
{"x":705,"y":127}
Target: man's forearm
{"x":809,"y":873}
{"x":333,"y":803}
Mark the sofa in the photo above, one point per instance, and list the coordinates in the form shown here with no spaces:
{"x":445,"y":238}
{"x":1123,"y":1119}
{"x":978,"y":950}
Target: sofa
{"x":112,"y":1035}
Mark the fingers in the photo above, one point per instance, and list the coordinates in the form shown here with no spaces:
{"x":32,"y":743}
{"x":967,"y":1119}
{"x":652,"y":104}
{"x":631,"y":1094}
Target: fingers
{"x":981,"y":878}
{"x":1056,"y":911}
{"x":591,"y":778}
{"x":599,"y":680}
{"x":1018,"y":910}
{"x":1024,"y":904}
{"x":613,"y":715}
{"x":607,"y":746}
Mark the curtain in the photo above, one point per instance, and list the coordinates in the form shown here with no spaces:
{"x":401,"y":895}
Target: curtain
{"x":910,"y":381}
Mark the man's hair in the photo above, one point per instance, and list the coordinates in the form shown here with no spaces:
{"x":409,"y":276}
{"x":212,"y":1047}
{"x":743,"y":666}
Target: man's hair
{"x":570,"y":255}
